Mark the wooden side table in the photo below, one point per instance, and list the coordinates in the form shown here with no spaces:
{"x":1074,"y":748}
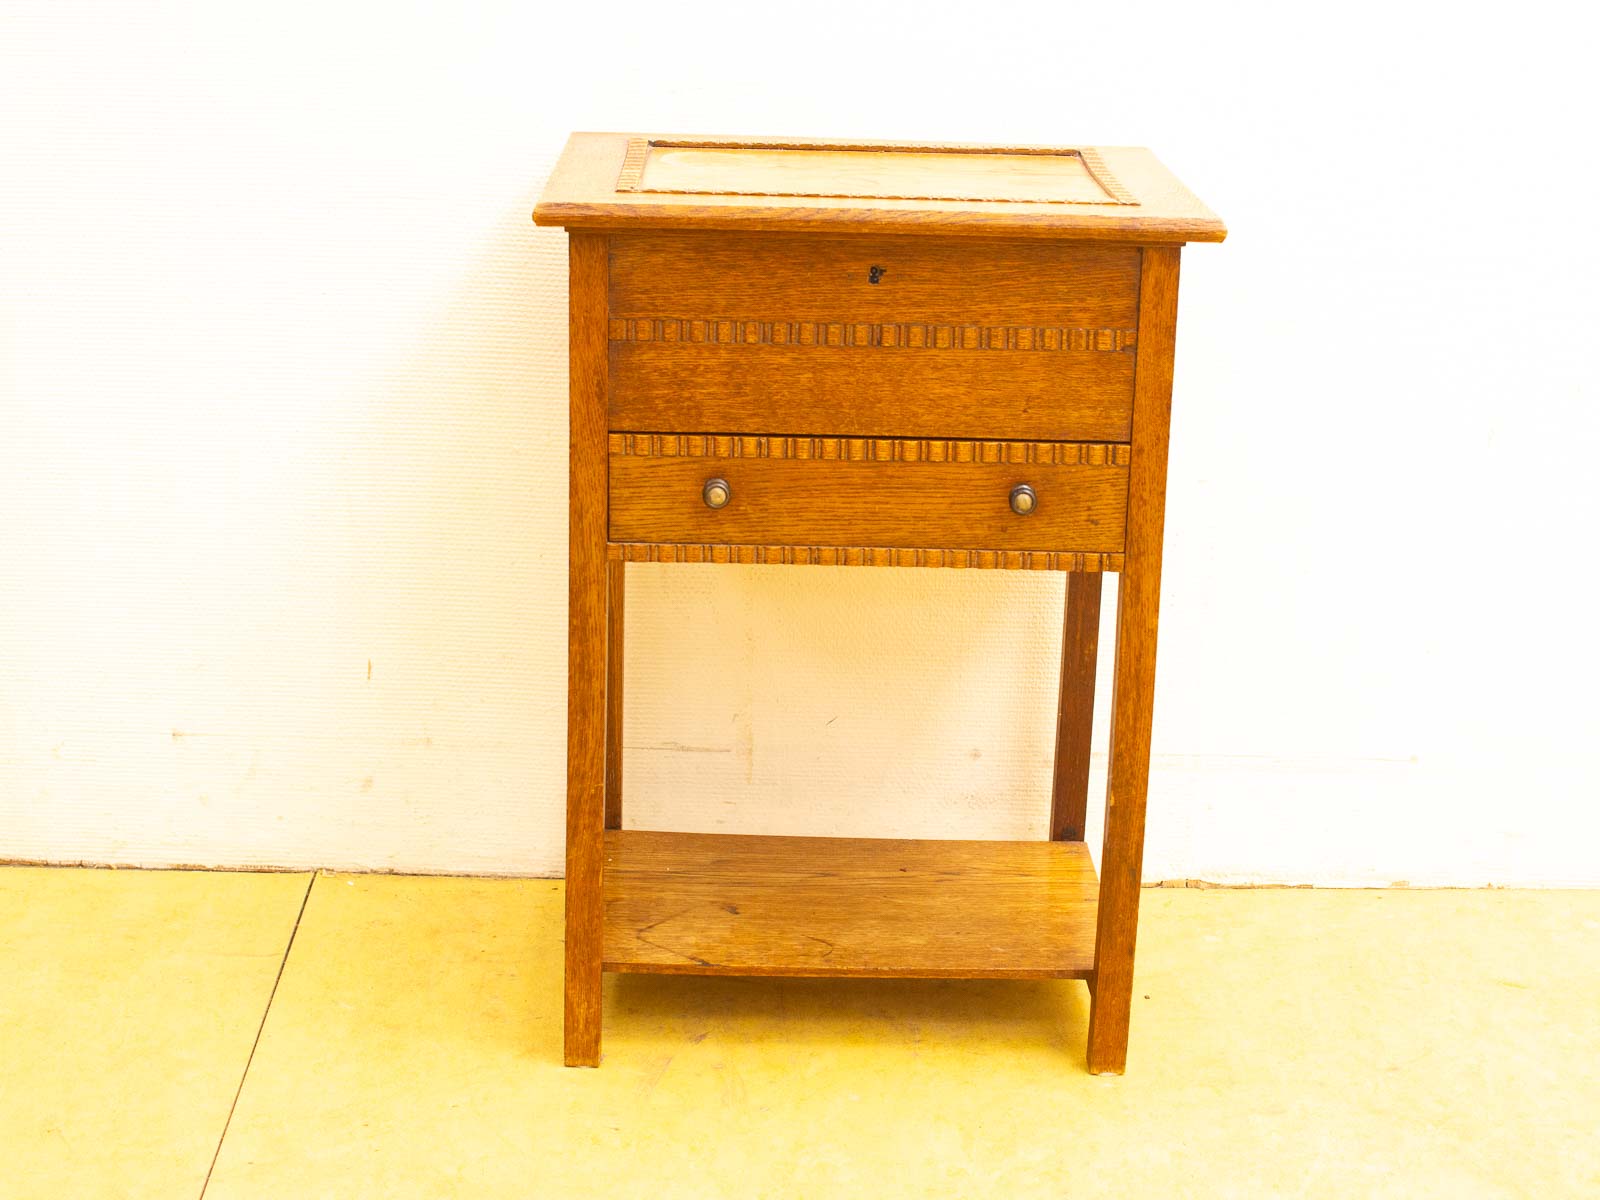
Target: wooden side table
{"x":867,"y":354}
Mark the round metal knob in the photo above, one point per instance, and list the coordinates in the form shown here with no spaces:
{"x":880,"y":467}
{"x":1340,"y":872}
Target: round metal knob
{"x":1023,"y":501}
{"x":716,"y":493}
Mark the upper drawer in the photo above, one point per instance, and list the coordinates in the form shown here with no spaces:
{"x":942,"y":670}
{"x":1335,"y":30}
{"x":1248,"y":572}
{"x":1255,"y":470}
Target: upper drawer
{"x":883,"y":337}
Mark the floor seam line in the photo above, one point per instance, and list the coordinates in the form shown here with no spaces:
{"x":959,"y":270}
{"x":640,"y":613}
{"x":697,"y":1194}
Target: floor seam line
{"x":265,"y":1012}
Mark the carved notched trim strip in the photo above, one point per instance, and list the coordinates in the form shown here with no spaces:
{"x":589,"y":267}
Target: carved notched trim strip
{"x":833,"y":449}
{"x":888,"y":335}
{"x":1102,"y":175}
{"x":633,"y":165}
{"x":862,"y":556}
{"x":631,"y":177}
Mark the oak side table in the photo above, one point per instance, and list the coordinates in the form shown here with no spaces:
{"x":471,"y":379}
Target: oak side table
{"x":867,"y":354}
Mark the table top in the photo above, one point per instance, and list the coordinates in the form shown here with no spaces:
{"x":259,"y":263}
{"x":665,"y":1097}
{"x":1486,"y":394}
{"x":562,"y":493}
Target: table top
{"x":1095,"y":193}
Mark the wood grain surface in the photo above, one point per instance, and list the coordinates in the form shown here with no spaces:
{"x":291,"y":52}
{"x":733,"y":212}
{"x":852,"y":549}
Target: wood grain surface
{"x":721,"y":904}
{"x":1133,"y":692}
{"x":778,"y":501}
{"x":923,"y":280}
{"x":1146,"y":204}
{"x":586,"y":646}
{"x":967,"y":394}
{"x":955,"y":339}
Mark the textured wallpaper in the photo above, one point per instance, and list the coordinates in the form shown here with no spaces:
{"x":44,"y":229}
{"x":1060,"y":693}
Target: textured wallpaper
{"x":283,"y":445}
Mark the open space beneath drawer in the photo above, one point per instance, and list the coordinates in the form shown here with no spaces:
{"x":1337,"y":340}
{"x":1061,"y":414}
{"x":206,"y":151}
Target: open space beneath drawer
{"x":725,"y":904}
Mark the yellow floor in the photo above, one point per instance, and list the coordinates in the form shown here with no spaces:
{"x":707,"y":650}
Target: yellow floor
{"x":1286,"y":1043}
{"x":129,"y":1001}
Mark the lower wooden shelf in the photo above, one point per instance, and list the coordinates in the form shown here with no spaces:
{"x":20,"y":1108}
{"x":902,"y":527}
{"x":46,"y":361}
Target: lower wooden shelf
{"x":724,"y":904}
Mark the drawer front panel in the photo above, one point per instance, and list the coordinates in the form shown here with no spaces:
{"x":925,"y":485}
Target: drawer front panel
{"x":964,"y":339}
{"x":843,"y":492}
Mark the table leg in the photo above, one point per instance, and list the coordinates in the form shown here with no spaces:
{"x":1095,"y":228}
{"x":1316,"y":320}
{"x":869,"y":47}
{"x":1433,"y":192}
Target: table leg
{"x":586,"y":650}
{"x":616,"y":579}
{"x":1080,"y":643}
{"x":1133,"y":692}
{"x":1122,"y":854}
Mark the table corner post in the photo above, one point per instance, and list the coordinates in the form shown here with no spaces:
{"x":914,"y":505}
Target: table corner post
{"x":586,"y":648}
{"x":1133,"y":690}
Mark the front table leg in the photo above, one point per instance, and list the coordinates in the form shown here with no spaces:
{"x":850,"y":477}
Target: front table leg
{"x":1122,"y":853}
{"x":1133,"y":691}
{"x":586,"y":650}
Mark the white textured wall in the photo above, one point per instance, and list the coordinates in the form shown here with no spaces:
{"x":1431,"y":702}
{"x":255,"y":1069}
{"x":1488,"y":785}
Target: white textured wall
{"x":282,"y":442}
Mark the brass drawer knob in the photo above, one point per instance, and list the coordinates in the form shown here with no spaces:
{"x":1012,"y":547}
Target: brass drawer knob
{"x":716,"y":493}
{"x":1023,"y":501}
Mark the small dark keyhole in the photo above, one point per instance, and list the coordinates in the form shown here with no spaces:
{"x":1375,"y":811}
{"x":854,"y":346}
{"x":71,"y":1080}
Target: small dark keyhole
{"x":876,"y":273}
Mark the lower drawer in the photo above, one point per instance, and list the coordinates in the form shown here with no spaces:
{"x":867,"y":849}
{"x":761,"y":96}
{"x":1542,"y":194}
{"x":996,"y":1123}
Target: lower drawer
{"x":854,"y":492}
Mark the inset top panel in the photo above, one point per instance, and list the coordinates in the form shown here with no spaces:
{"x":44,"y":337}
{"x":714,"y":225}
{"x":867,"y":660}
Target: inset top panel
{"x":999,"y":174}
{"x":1100,"y":193}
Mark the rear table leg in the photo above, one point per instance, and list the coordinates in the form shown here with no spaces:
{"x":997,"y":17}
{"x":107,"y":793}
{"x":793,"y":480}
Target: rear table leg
{"x":1080,"y":643}
{"x":616,"y":577}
